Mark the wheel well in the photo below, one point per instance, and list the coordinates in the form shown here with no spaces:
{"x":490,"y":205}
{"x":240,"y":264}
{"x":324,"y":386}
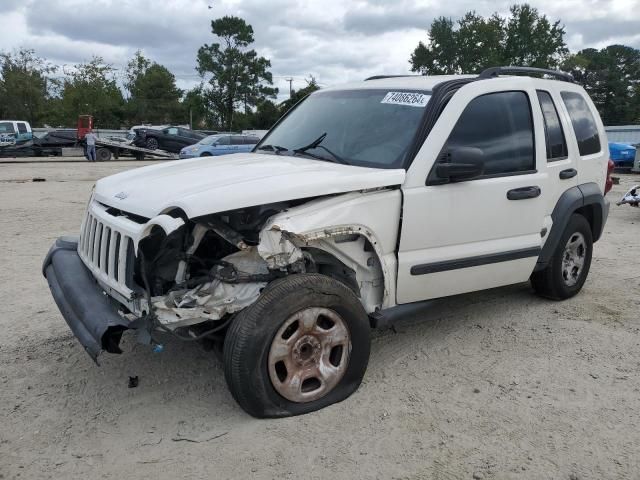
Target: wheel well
{"x":594,"y":216}
{"x":326,"y":264}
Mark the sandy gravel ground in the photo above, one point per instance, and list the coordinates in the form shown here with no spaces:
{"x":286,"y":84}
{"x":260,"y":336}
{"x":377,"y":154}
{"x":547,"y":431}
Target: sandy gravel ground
{"x":497,"y":384}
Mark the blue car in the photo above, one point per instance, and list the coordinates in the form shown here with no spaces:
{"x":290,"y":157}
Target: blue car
{"x":622,"y":154}
{"x":220,"y":144}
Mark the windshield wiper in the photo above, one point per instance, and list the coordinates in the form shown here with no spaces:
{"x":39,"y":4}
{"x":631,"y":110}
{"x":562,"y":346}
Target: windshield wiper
{"x":273,"y":148}
{"x":316,"y":144}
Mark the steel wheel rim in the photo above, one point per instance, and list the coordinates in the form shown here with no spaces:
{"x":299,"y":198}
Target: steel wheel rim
{"x":309,"y":354}
{"x":573,"y":258}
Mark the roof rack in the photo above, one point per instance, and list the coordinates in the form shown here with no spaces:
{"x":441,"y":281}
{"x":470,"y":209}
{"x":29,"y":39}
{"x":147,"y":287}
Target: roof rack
{"x":495,"y":71}
{"x":380,"y":77}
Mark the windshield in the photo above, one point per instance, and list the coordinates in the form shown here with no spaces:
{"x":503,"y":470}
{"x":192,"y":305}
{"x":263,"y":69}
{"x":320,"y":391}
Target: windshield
{"x":372,"y":128}
{"x":208,"y":140}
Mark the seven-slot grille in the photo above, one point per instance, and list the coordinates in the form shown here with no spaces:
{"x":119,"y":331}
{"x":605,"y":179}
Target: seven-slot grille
{"x":105,"y":251}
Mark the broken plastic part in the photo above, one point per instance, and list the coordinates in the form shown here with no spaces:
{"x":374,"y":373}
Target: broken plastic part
{"x":277,"y":248}
{"x":632,"y":197}
{"x":214,"y":299}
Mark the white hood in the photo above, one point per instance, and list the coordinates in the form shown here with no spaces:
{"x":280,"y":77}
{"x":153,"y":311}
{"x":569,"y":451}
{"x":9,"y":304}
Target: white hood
{"x":207,"y":185}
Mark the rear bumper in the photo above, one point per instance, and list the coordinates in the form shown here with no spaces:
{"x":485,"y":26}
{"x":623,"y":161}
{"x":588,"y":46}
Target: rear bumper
{"x":91,"y":315}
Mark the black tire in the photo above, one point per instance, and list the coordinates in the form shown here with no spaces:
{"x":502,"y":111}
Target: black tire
{"x":250,"y":336}
{"x":552,"y":282}
{"x":151,"y":143}
{"x":103,"y":155}
{"x":206,"y":154}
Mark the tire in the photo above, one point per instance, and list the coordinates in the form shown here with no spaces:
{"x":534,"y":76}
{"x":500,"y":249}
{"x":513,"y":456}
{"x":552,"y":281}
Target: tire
{"x":250,"y":353}
{"x":103,"y":155}
{"x":151,"y":143}
{"x":560,"y":280}
{"x":206,"y":154}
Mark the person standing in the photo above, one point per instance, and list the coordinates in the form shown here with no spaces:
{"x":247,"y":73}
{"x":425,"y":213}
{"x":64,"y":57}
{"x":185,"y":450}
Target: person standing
{"x":90,"y":138}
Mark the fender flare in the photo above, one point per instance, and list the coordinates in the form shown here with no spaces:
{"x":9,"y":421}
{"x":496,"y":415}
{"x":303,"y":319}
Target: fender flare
{"x":572,"y":200}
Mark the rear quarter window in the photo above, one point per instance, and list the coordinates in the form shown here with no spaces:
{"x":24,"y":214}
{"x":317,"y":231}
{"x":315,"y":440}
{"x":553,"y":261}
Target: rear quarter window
{"x":22,"y":127}
{"x":584,"y":125}
{"x":554,"y":135}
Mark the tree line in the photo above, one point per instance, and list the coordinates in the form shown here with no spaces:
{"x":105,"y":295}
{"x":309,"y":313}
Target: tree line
{"x":236,"y":86}
{"x":526,"y":37}
{"x":235,"y":90}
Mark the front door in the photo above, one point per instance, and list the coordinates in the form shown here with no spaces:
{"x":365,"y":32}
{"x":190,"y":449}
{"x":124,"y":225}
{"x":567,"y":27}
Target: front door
{"x":483,"y":232}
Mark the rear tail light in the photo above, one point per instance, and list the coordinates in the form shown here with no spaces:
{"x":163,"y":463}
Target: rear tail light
{"x":608,"y":184}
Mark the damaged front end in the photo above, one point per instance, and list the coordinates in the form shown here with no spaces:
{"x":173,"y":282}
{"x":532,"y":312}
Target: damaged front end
{"x":197,"y":276}
{"x":189,"y":277}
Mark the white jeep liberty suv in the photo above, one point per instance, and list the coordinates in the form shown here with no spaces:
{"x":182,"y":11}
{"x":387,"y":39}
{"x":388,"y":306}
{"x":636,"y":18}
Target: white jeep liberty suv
{"x":361,"y":202}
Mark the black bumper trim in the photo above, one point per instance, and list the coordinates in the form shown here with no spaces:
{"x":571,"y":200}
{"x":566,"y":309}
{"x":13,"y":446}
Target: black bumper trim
{"x":90,"y":314}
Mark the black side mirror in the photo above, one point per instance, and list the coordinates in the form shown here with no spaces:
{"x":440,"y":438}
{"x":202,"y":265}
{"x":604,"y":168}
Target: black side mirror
{"x":462,"y":163}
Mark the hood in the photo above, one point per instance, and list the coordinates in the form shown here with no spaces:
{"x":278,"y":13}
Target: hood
{"x":205,"y":185}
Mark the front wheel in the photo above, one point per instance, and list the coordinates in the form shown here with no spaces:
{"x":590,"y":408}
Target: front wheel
{"x":567,"y":270}
{"x":303,"y":345}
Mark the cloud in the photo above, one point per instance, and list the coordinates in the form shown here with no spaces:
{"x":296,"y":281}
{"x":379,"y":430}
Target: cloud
{"x":334,"y":40}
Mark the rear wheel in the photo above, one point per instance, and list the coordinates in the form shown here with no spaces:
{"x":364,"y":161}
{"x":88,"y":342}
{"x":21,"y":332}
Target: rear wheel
{"x":303,"y":345}
{"x":152,"y":143}
{"x":103,"y":155}
{"x":567,"y":270}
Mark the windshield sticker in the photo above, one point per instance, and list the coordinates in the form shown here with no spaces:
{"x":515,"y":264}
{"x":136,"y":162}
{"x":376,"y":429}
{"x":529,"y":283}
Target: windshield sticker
{"x":406,"y":98}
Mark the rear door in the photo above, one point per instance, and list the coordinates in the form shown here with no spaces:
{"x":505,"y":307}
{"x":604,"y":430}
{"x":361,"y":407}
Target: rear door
{"x":24,"y":132}
{"x":561,"y":159}
{"x":589,"y":141}
{"x":484,"y":232}
{"x":237,"y":144}
{"x":250,"y":142}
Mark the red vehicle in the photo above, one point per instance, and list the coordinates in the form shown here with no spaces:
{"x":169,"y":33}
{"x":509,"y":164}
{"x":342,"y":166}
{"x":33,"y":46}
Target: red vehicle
{"x":85,"y":123}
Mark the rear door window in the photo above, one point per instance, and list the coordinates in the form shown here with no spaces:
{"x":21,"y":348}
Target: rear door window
{"x":554,"y":135}
{"x":249,"y":140}
{"x":584,"y":125}
{"x":236,"y":140}
{"x":500,"y":125}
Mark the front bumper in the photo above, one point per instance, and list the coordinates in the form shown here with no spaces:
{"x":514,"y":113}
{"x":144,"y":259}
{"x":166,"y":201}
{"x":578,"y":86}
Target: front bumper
{"x":92,"y":316}
{"x":187,"y":155}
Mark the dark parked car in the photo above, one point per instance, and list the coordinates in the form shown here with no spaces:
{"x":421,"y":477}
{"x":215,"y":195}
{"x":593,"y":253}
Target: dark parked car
{"x":171,"y":139}
{"x":54,"y":141}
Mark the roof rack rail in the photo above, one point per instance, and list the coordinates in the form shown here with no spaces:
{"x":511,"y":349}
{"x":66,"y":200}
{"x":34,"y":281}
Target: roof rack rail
{"x":495,"y":71}
{"x":380,"y":77}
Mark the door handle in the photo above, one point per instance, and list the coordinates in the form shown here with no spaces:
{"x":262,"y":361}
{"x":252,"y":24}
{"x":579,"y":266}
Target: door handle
{"x":524,"y":193}
{"x":568,"y":173}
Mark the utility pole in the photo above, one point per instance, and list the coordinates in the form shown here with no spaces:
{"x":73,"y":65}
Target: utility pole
{"x":290,"y":80}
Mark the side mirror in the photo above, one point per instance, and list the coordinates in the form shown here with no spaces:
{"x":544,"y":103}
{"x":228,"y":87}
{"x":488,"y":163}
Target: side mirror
{"x":462,"y":163}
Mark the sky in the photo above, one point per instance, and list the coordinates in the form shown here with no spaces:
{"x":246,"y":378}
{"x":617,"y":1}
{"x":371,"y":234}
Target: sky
{"x":335,"y":41}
